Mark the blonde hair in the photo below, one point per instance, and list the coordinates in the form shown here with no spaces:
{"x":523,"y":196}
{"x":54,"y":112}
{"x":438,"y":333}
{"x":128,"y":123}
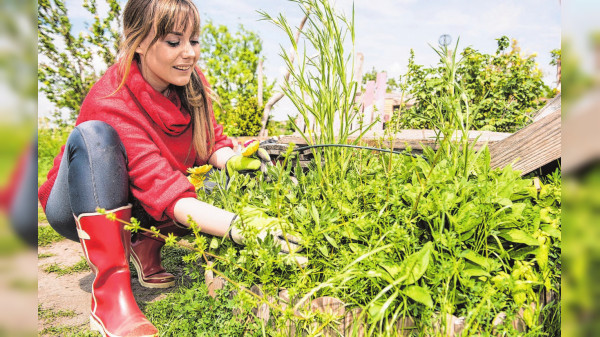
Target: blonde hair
{"x":166,"y":16}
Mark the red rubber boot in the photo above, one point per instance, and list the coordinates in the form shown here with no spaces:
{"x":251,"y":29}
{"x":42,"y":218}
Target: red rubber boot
{"x":106,"y":245}
{"x":145,"y":255}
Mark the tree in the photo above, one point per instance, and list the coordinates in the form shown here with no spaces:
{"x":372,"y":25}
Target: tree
{"x":71,"y":64}
{"x":230,"y":63}
{"x":504,"y":88}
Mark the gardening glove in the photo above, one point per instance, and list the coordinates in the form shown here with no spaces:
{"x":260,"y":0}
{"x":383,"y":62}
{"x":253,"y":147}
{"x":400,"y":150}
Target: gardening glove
{"x":252,"y":159}
{"x":254,"y":220}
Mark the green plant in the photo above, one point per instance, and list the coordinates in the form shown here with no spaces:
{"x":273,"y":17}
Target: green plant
{"x":403,"y":236}
{"x":50,"y":141}
{"x":191,"y":311}
{"x":47,"y":235}
{"x":503,"y":89}
{"x":67,"y":69}
{"x":80,"y":266}
{"x":230,"y":61}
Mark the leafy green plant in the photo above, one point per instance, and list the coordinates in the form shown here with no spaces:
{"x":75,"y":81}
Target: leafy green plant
{"x":191,"y":311}
{"x":66,"y":69}
{"x":503,"y":89}
{"x":47,"y":235}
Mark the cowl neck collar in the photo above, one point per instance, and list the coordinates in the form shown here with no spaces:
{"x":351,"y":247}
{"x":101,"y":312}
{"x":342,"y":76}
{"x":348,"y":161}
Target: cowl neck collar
{"x":166,"y":112}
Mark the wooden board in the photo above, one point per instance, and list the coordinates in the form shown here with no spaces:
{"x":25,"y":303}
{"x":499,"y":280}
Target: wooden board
{"x":414,"y":139}
{"x":531,"y":147}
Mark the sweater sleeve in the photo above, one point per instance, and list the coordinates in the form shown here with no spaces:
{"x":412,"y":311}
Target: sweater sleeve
{"x":153,"y":181}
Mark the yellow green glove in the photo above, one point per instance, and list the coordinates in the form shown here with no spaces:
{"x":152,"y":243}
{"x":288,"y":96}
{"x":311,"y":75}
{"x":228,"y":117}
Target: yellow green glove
{"x":254,"y":223}
{"x":251,"y":159}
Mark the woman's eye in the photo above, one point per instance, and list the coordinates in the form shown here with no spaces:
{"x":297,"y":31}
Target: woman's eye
{"x":194,"y":42}
{"x":173,"y":43}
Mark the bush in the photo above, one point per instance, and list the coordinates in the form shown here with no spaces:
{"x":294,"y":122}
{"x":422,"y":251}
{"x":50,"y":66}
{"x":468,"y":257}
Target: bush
{"x":50,"y":140}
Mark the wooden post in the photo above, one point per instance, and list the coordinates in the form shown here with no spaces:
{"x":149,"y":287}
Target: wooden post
{"x":260,"y":84}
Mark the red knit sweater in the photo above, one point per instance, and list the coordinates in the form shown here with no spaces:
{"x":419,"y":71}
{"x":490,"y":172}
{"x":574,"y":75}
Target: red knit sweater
{"x":157,"y":136}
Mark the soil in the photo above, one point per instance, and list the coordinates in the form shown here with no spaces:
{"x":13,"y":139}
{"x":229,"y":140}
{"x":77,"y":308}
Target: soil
{"x":69,"y":296}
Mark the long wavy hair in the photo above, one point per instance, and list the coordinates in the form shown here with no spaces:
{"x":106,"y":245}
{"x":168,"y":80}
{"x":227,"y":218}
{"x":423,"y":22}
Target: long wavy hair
{"x":166,"y":16}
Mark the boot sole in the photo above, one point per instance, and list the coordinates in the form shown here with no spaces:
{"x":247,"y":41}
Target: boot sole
{"x":96,"y":326}
{"x":145,"y":284}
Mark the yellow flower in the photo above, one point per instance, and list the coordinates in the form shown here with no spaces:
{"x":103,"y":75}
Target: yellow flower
{"x":198,"y":183}
{"x":200,"y":170}
{"x":251,"y":149}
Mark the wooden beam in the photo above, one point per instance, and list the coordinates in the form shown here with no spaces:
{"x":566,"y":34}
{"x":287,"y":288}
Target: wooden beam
{"x":531,"y":147}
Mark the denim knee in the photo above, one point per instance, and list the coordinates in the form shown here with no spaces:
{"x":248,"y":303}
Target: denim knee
{"x":97,"y":162}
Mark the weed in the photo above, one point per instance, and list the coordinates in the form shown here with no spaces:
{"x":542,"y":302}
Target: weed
{"x":47,"y":235}
{"x":45,"y":255}
{"x":80,"y":266}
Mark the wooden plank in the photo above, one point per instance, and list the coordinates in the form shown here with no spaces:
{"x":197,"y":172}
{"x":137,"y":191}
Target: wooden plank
{"x":531,"y":147}
{"x":415,"y":139}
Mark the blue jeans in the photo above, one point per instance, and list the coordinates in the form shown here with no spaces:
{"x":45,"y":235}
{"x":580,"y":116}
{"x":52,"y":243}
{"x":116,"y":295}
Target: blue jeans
{"x":92,"y":174}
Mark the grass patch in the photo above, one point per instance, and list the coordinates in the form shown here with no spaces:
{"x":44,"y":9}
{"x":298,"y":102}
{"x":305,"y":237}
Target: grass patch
{"x":80,"y":266}
{"x":67,"y":330}
{"x":47,"y":235}
{"x":53,"y":314}
{"x":45,"y":255}
{"x":50,"y":316}
{"x":41,"y":215}
{"x":191,"y":310}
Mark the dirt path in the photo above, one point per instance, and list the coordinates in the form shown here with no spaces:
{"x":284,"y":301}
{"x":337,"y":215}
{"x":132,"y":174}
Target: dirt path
{"x":64,"y":300}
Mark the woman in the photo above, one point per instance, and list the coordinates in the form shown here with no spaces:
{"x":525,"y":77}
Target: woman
{"x":142,"y":125}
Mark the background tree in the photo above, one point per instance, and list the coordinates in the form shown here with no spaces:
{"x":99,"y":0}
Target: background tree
{"x":69,"y":65}
{"x":504,"y":88}
{"x":230,"y":60}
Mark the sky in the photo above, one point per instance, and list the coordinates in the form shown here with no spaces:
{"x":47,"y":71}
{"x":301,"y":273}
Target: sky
{"x":386,"y":30}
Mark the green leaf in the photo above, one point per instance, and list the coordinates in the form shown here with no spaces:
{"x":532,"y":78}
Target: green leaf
{"x":419,"y":294}
{"x":331,"y":241}
{"x":487,"y":263}
{"x":522,"y":253}
{"x":474,"y":272}
{"x":552,"y":231}
{"x":324,"y":250}
{"x":214,"y":243}
{"x":518,"y":236}
{"x":413,"y":267}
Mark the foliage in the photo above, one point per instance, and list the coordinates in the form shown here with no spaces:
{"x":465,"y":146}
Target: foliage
{"x":69,"y":65}
{"x":190,"y":311}
{"x":401,"y":235}
{"x":17,"y":59}
{"x":80,"y":266}
{"x":322,"y":87}
{"x":279,"y":128}
{"x":47,"y":235}
{"x":504,"y":89}
{"x":244,"y":119}
{"x":50,"y":141}
{"x":231,"y":62}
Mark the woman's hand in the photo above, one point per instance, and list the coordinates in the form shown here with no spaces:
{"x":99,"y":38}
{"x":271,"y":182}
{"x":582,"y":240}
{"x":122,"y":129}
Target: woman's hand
{"x":253,"y":223}
{"x":252,"y":159}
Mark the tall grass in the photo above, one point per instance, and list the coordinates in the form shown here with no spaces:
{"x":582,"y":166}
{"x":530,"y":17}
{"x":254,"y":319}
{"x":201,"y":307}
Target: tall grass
{"x":322,"y":87}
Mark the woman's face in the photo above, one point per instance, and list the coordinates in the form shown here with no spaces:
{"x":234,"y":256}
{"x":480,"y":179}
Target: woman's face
{"x":170,"y":60}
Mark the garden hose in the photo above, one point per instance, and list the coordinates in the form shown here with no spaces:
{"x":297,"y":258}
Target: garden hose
{"x":354,"y":147}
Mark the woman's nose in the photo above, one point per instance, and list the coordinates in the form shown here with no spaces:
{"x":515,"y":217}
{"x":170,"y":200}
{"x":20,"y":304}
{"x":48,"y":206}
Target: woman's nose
{"x":188,"y":50}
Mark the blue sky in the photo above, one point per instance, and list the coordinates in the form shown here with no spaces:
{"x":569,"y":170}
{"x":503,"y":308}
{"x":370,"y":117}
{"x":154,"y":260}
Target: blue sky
{"x":386,"y":30}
